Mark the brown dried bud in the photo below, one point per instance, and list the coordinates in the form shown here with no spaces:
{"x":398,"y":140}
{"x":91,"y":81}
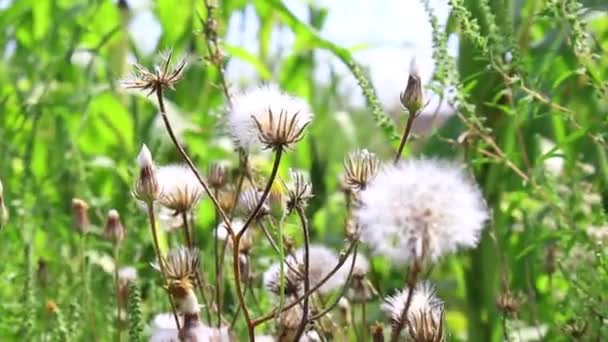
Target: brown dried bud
{"x":227,"y":199}
{"x":412,"y":98}
{"x":377,"y":332}
{"x":114,"y":230}
{"x":249,"y":200}
{"x":147,"y":188}
{"x":217,"y":175}
{"x":81,"y":216}
{"x":359,"y":168}
{"x":507,"y":303}
{"x":299,"y":192}
{"x":551,"y":259}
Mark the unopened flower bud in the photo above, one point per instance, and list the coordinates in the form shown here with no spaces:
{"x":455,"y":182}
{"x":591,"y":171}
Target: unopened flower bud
{"x":412,"y":98}
{"x":377,"y":332}
{"x":217,"y":175}
{"x":147,"y":188}
{"x":114,"y":230}
{"x":81,"y":216}
{"x":507,"y":303}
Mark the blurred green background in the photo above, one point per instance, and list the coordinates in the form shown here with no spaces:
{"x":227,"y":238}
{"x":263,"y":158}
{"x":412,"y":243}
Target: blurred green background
{"x":518,"y":92}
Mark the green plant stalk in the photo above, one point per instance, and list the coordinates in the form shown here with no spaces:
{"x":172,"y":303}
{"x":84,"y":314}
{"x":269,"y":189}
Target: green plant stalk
{"x":136,"y":325}
{"x":305,"y":232}
{"x":117,"y":289}
{"x":161,"y":264}
{"x":408,"y":128}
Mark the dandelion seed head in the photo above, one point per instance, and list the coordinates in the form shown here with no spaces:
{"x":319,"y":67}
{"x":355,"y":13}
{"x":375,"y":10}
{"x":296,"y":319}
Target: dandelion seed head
{"x":322,"y":261}
{"x":423,"y":300}
{"x":181,"y":189}
{"x":293,"y":281}
{"x":181,"y":264}
{"x":299,"y":191}
{"x":420,"y":208}
{"x":127,"y":274}
{"x":249,"y":200}
{"x":359,"y":168}
{"x":164,"y":76}
{"x":269,"y":117}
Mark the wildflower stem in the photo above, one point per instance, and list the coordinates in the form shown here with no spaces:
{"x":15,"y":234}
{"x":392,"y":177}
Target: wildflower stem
{"x":273,"y":244}
{"x":199,"y":281}
{"x":211,"y":38}
{"x":306,"y":234}
{"x":411,"y":280}
{"x":117,"y":289}
{"x":161,"y":264}
{"x":218,"y":272}
{"x":408,"y":128}
{"x":180,"y":149}
{"x":342,"y":292}
{"x":280,"y":309}
{"x":363,"y":322}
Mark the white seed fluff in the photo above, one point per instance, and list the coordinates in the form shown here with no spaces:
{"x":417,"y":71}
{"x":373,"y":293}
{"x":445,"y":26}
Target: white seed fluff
{"x":257,"y":103}
{"x":179,"y":186}
{"x":421,"y":202}
{"x":423,"y":300}
{"x":322,"y":261}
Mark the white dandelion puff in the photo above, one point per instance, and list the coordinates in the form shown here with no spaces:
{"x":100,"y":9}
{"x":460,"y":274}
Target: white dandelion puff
{"x":421,"y":209}
{"x":322,"y":261}
{"x":181,"y":189}
{"x":268,"y":116}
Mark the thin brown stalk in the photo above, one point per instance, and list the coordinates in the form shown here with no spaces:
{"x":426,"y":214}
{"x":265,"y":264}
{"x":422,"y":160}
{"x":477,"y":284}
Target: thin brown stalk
{"x":180,"y":149}
{"x":363,"y":322}
{"x":161,"y":264}
{"x":406,"y":133}
{"x":342,"y":292}
{"x":412,"y":279}
{"x":277,"y":310}
{"x":304,"y":223}
{"x":274,"y":246}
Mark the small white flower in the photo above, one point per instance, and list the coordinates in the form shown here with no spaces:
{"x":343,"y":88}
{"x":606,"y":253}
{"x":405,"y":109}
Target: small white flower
{"x":144,"y":158}
{"x":181,"y":189}
{"x":421,"y":208}
{"x":269,"y":116}
{"x":127,"y":274}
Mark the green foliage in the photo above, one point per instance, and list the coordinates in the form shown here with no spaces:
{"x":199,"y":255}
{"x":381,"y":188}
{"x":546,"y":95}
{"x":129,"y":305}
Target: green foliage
{"x":530,"y":98}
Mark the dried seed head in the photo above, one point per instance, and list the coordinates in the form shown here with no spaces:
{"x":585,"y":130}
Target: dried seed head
{"x":269,"y":116}
{"x":299,"y":191}
{"x":164,"y":76}
{"x":293,"y":280}
{"x":361,"y":288}
{"x":360,"y":167}
{"x":147,"y":188}
{"x":507,"y":303}
{"x":217,"y":175}
{"x":81,"y":216}
{"x":249,"y":200}
{"x":181,"y":189}
{"x":289,"y":321}
{"x":377,"y":332}
{"x":424,"y":319}
{"x":126,"y":275}
{"x":114,"y":229}
{"x":181,"y":264}
{"x":412,"y":98}
{"x":227,"y":199}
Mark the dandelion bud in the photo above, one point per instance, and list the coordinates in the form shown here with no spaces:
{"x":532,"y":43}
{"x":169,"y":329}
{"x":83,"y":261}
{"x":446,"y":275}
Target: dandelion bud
{"x":147,"y":188}
{"x":3,"y":210}
{"x":412,"y":98}
{"x":114,"y":229}
{"x":359,"y":168}
{"x":276,"y":200}
{"x":217,"y":175}
{"x":81,"y":216}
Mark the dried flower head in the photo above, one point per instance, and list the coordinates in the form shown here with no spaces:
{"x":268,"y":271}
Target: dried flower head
{"x":181,"y":189}
{"x":359,"y":168}
{"x":3,"y":210}
{"x":424,"y":319}
{"x":269,"y":116}
{"x":81,"y":215}
{"x":227,"y":199}
{"x":360,"y":288}
{"x":299,"y":191}
{"x":126,"y":275}
{"x":322,"y":261}
{"x":293,"y":280}
{"x":147,"y":188}
{"x":412,"y":98}
{"x":507,"y":303}
{"x":164,"y":76}
{"x":249,"y":200}
{"x":288,"y":322}
{"x":163,"y":328}
{"x":217,"y":175}
{"x":182,"y":263}
{"x":114,"y":230}
{"x":421,"y":209}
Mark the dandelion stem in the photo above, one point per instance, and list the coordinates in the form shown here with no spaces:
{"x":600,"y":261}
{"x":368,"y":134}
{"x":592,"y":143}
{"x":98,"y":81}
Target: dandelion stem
{"x":408,"y":128}
{"x":363,"y":322}
{"x":180,"y":149}
{"x":218,"y":272}
{"x":304,"y":223}
{"x":411,"y":280}
{"x":161,"y":264}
